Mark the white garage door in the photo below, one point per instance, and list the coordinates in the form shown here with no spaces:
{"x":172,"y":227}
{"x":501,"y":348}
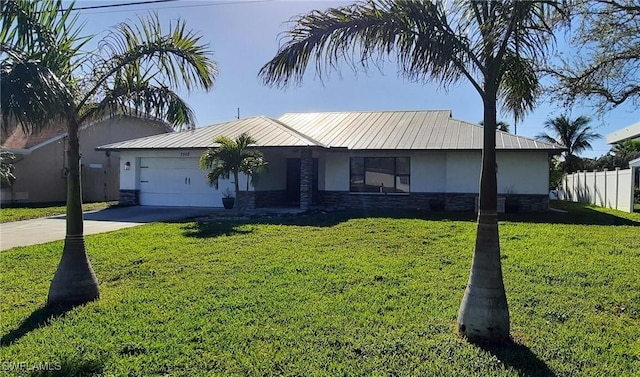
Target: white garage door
{"x":176,"y":182}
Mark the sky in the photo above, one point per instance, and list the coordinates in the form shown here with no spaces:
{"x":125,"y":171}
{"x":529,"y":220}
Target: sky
{"x":245,"y":34}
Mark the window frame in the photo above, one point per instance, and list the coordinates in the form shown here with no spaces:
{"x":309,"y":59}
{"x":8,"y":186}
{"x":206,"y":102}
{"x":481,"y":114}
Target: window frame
{"x":361,"y":188}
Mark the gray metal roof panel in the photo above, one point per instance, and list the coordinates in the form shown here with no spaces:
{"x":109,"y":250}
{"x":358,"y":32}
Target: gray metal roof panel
{"x":407,"y":130}
{"x":362,"y":130}
{"x":268,"y":133}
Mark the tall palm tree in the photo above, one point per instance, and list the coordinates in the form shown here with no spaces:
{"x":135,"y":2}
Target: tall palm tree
{"x":494,"y":45}
{"x":232,"y":157}
{"x":46,"y":78}
{"x":576,"y":135}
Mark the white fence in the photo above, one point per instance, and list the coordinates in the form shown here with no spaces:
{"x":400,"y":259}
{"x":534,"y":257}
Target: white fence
{"x":611,"y":189}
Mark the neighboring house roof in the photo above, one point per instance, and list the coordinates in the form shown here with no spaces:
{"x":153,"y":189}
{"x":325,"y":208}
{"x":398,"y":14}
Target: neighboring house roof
{"x":15,"y":139}
{"x":635,"y":163}
{"x":268,"y":132}
{"x":379,"y":130}
{"x":627,"y":133}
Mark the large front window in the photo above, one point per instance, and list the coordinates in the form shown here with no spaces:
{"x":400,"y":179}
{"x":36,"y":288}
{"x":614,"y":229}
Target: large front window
{"x":380,"y":174}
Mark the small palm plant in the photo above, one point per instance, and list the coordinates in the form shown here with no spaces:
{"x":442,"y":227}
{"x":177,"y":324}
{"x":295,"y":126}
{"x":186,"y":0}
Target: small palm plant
{"x":232,"y":157}
{"x":6,"y":169}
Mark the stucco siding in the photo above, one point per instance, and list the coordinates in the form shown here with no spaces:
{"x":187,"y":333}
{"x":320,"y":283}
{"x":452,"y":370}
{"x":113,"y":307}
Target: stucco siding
{"x":463,"y":171}
{"x":452,"y":172}
{"x":523,"y":172}
{"x":428,"y":172}
{"x":40,"y":176}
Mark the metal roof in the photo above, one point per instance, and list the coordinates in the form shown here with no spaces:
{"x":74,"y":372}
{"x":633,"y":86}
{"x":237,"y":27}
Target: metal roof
{"x":405,"y":130}
{"x":268,"y":133}
{"x":360,"y":130}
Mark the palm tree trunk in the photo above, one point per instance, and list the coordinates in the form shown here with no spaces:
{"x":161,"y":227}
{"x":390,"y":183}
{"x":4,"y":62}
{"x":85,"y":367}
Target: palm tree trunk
{"x":237,"y":187}
{"x":484,"y":313}
{"x":74,"y":282}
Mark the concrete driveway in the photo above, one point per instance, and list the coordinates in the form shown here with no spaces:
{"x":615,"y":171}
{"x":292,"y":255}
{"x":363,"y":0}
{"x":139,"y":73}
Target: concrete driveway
{"x":36,"y":231}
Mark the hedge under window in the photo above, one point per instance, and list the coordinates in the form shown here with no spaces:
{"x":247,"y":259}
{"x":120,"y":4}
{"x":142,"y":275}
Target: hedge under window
{"x":380,"y":174}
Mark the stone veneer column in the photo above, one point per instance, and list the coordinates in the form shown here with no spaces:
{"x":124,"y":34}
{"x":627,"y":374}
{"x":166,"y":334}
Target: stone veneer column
{"x":246,"y":201}
{"x":129,"y":198}
{"x":306,"y":178}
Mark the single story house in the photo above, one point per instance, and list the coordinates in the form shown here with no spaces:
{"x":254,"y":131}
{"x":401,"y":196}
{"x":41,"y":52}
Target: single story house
{"x":40,"y":164}
{"x":413,"y":159}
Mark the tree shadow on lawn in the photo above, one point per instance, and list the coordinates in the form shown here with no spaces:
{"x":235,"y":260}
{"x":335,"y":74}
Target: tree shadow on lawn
{"x":578,"y":215}
{"x":209,"y":229}
{"x":519,"y":357}
{"x":318,"y":218}
{"x":39,"y":318}
{"x":73,"y":367}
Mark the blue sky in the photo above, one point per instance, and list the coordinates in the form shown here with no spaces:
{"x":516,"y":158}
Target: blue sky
{"x":244,"y":35}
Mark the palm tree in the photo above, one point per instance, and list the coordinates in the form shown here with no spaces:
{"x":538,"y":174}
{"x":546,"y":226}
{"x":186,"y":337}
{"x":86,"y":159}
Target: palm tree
{"x":232,"y":157}
{"x":46,"y":78}
{"x":627,"y":150}
{"x":575,"y":135}
{"x":494,"y":45}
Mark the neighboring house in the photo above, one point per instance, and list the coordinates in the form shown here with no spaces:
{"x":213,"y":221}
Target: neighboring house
{"x":40,"y":165}
{"x":631,"y":132}
{"x":381,"y":159}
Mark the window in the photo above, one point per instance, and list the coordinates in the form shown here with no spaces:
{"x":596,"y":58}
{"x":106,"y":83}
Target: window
{"x":380,"y":174}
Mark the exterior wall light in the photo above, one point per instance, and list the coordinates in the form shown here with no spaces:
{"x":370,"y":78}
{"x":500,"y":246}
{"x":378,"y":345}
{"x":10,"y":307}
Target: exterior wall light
{"x":127,"y":165}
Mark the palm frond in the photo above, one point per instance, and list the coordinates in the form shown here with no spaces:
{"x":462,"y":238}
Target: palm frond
{"x":575,"y":134}
{"x":6,"y":169}
{"x":547,"y":138}
{"x":231,"y":156}
{"x":142,"y":100}
{"x":142,"y":52}
{"x":366,"y":33}
{"x":32,"y":95}
{"x":520,"y":86}
{"x":45,"y":33}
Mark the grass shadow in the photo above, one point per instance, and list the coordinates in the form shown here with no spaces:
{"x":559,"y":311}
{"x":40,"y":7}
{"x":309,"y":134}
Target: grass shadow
{"x":73,"y":367}
{"x":39,"y":318}
{"x":210,"y":229}
{"x":519,"y":357}
{"x":576,"y":213}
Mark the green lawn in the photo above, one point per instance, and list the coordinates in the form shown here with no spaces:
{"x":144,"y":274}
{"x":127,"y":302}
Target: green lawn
{"x":9,"y":214}
{"x":333,"y":295}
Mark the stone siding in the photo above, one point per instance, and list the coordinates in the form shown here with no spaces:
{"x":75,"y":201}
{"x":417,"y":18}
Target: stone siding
{"x":530,"y":203}
{"x":246,"y":201}
{"x":274,"y":198}
{"x":129,"y":198}
{"x":306,"y":179}
{"x":453,"y":202}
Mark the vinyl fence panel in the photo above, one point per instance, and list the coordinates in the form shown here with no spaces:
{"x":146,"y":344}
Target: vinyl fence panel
{"x":609,"y":188}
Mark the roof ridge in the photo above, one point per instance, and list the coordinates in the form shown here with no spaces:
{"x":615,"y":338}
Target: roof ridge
{"x":298,"y":133}
{"x":366,"y":111}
